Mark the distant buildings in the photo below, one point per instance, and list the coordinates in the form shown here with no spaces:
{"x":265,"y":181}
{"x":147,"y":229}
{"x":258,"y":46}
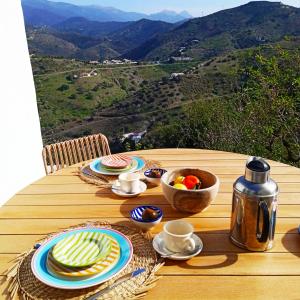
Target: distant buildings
{"x":134,"y":136}
{"x":85,"y":74}
{"x":176,"y":75}
{"x":181,"y":50}
{"x":119,"y":62}
{"x":180,"y":58}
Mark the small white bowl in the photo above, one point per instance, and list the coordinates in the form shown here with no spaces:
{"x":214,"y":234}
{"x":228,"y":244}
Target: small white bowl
{"x":136,"y":217}
{"x":154,"y":180}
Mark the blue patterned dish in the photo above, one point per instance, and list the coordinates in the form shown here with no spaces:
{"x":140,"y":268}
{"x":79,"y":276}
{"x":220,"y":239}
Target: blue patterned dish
{"x":137,"y":165}
{"x":136,"y":216}
{"x":39,"y":261}
{"x":154,"y":180}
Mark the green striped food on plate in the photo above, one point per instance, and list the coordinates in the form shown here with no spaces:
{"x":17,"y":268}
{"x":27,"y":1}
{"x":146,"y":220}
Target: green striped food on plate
{"x":82,"y":249}
{"x":100,"y":267}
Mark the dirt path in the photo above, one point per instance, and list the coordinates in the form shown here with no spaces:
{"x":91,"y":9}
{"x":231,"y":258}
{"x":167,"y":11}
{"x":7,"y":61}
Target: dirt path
{"x":99,"y":68}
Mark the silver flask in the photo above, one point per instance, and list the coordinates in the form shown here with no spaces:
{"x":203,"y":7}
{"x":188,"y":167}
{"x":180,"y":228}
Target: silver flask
{"x":254,"y":207}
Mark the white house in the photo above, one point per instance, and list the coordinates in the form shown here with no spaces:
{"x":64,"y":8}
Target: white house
{"x":176,"y":75}
{"x":134,"y":136}
{"x":21,"y":143}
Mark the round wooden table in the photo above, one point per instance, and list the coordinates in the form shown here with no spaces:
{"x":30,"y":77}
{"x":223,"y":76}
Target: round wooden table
{"x":221,"y":271}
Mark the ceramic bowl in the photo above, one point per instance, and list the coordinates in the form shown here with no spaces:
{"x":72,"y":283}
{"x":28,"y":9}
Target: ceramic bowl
{"x":190,"y":201}
{"x":154,"y":180}
{"x":136,"y":217}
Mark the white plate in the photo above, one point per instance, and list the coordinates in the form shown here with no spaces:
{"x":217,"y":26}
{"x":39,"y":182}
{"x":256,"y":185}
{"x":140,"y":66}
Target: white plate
{"x":159,"y":246}
{"x":116,"y":190}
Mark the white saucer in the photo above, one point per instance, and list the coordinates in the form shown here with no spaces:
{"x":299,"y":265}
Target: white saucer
{"x":116,"y":190}
{"x":159,"y":246}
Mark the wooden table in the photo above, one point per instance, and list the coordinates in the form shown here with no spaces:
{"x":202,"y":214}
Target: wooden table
{"x":222,"y":271}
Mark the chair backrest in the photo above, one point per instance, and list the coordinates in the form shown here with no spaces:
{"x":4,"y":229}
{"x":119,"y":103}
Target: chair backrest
{"x":63,"y":154}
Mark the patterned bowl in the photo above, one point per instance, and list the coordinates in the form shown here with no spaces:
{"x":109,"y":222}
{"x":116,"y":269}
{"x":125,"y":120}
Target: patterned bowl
{"x":136,"y":217}
{"x":154,"y":180}
{"x":190,"y":201}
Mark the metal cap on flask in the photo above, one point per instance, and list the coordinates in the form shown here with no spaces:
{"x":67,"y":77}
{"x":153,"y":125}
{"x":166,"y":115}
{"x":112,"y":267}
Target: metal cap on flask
{"x":257,"y":170}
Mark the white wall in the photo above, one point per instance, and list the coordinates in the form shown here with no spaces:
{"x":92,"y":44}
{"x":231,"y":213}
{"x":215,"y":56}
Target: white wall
{"x":20,"y":136}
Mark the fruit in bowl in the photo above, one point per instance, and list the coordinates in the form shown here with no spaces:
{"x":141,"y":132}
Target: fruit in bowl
{"x":179,"y":186}
{"x":189,"y":182}
{"x":190,"y":190}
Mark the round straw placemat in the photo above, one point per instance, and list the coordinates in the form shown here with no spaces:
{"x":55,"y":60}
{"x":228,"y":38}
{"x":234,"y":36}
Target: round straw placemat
{"x":87,"y":175}
{"x":22,"y":280}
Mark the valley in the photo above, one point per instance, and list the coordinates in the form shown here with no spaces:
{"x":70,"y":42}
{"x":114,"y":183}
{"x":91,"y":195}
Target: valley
{"x":168,"y":81}
{"x":71,"y":106}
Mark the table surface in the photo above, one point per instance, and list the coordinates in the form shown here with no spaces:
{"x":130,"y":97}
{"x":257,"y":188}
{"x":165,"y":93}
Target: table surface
{"x":221,"y":271}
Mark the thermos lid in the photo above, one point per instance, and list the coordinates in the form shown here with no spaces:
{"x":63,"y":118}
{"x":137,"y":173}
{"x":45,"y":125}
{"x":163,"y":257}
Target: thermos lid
{"x":257,"y":170}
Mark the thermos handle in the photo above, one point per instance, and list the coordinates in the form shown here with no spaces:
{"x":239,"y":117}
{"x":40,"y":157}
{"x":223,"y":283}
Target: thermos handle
{"x":263,"y":236}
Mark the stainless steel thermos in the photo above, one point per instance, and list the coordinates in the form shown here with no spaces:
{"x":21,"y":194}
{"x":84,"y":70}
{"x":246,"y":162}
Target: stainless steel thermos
{"x":254,"y":207}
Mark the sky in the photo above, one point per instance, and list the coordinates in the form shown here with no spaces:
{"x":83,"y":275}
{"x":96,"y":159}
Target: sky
{"x":196,"y":8}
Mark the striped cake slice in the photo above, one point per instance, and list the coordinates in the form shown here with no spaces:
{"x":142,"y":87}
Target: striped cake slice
{"x":116,"y":161}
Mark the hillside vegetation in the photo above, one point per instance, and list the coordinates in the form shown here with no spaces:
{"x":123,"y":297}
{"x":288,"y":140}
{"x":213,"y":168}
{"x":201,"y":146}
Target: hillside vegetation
{"x":65,"y":102}
{"x":261,"y":118}
{"x":246,"y":101}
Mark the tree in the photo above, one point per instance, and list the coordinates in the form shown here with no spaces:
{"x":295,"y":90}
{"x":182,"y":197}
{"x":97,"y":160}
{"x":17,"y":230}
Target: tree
{"x":73,"y":97}
{"x":69,"y":77}
{"x":270,"y":100}
{"x":63,"y":87}
{"x":89,"y":96}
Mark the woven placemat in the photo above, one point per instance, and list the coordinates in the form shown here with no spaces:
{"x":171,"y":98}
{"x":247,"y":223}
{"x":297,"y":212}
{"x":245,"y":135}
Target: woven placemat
{"x":87,"y":175}
{"x":23,"y":282}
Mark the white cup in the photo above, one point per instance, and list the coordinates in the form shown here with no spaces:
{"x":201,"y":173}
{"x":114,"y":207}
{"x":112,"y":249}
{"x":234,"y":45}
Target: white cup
{"x":130,"y":182}
{"x":177,"y":236}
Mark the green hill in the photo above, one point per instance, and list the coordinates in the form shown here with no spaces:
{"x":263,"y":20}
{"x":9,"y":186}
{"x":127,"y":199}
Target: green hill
{"x":242,"y":27}
{"x":132,"y":98}
{"x":90,"y":40}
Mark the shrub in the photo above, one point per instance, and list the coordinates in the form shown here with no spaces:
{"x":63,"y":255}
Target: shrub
{"x":72,"y":97}
{"x":89,"y":96}
{"x":63,"y":87}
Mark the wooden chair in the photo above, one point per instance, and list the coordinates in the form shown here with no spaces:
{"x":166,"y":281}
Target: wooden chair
{"x":60,"y":155}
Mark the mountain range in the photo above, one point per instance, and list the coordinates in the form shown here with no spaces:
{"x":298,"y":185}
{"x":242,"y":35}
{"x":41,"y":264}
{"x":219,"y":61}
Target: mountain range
{"x":249,"y":25}
{"x":78,"y":36}
{"x":44,"y":12}
{"x":89,"y":40}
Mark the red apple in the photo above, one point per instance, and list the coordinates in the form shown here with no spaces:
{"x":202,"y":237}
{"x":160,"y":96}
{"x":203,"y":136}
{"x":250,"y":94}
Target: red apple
{"x":191,"y":181}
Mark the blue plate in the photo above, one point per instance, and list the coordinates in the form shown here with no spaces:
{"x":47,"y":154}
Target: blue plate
{"x":97,"y":167}
{"x":136,"y":213}
{"x":39,"y":260}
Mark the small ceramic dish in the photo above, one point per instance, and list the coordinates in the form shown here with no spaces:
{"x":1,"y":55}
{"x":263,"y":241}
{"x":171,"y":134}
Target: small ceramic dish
{"x":150,"y":177}
{"x":136,"y":217}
